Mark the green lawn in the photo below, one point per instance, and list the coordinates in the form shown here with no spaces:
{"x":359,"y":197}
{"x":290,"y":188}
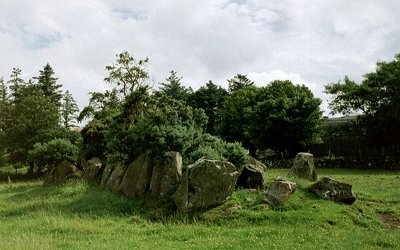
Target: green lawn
{"x":79,"y":216}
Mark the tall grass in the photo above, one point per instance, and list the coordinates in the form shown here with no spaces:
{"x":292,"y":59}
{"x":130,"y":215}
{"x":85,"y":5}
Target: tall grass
{"x":80,"y":216}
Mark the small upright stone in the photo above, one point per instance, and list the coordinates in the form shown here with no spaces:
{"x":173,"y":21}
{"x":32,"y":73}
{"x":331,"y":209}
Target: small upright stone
{"x":251,"y":177}
{"x":279,"y":191}
{"x":303,"y":167}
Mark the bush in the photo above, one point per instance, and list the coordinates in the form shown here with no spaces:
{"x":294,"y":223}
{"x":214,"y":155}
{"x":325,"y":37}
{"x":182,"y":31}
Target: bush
{"x":215,"y":148}
{"x":53,"y":152}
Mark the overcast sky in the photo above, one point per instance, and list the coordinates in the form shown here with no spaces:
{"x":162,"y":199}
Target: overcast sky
{"x":311,"y":42}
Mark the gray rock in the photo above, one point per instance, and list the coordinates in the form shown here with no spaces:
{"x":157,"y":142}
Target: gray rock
{"x":206,"y":183}
{"x":252,"y":176}
{"x":303,"y":167}
{"x":61,"y":173}
{"x":106,"y":174}
{"x":165,"y":178}
{"x":137,"y":177}
{"x":333,"y":190}
{"x":257,"y":164}
{"x":279,"y":192}
{"x":93,"y":170}
{"x":114,"y":181}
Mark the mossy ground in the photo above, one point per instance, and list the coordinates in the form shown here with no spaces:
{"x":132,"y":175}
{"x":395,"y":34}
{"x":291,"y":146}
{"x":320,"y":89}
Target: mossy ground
{"x":80,"y":216}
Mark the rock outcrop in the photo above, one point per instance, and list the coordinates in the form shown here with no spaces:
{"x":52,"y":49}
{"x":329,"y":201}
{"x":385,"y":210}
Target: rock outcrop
{"x":205,"y":183}
{"x":115,"y":178}
{"x":61,"y":173}
{"x":333,"y":190}
{"x":93,"y":170}
{"x":137,"y":177}
{"x":279,"y":192}
{"x":166,"y":177}
{"x":303,"y":167}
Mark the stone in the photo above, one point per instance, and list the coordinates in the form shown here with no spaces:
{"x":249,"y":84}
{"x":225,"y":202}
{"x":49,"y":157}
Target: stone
{"x":279,"y":192}
{"x":166,"y":177}
{"x":114,"y":181}
{"x":93,"y":170}
{"x":252,"y":176}
{"x":106,"y":174}
{"x":303,"y":167}
{"x":258,"y":164}
{"x":137,"y":177}
{"x":330,"y":189}
{"x":61,"y":173}
{"x":204,"y":184}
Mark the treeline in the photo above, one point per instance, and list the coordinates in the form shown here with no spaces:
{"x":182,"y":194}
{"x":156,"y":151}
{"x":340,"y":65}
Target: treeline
{"x":131,"y":118}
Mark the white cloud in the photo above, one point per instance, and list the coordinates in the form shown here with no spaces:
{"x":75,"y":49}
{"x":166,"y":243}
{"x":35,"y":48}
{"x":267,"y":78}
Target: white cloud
{"x":307,"y":42}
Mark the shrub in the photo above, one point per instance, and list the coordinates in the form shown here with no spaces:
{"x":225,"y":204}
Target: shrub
{"x":53,"y":152}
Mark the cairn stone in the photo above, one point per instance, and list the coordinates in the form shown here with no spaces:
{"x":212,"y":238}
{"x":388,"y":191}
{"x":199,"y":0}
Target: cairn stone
{"x":166,"y":177}
{"x":206,"y":183}
{"x":279,"y":191}
{"x":330,"y":189}
{"x":303,"y":167}
{"x":137,"y":177}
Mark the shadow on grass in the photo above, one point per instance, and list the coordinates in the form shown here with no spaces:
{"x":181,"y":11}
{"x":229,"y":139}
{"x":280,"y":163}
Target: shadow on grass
{"x":77,"y":198}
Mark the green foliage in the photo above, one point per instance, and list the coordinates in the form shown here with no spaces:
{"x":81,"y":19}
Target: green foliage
{"x":28,"y":118}
{"x":53,"y":152}
{"x":235,"y":116}
{"x":128,"y":73}
{"x":377,"y":97}
{"x":48,"y":86}
{"x":16,"y":85}
{"x":161,"y":125}
{"x":173,"y":88}
{"x":238,"y":82}
{"x":69,"y":110}
{"x":213,"y":147}
{"x":285,"y":118}
{"x":211,"y":99}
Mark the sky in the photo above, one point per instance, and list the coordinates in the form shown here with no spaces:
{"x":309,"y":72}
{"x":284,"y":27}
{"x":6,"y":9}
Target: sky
{"x":310,"y":42}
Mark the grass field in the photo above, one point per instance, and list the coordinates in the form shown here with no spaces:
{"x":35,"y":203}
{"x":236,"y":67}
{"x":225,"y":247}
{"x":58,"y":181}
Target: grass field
{"x":80,"y":216}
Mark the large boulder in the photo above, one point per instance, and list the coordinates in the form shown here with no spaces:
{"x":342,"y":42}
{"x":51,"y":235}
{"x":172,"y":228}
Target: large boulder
{"x":279,"y":191}
{"x":115,"y":178}
{"x":252,"y":176}
{"x":137,"y":177}
{"x":333,"y":190}
{"x":165,"y":178}
{"x":106,"y":174}
{"x":303,"y":167}
{"x":61,"y":173}
{"x":93,"y":170}
{"x":205,"y":183}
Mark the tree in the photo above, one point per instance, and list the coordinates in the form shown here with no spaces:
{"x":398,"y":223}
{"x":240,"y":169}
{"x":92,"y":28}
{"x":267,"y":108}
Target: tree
{"x":16,"y":85}
{"x":285,"y":118}
{"x":239,"y":81}
{"x":234,"y":117}
{"x":128,"y":73}
{"x":173,"y":88}
{"x":29,"y":118}
{"x":211,"y":99}
{"x":377,"y":98}
{"x":48,"y":86}
{"x":69,"y":110}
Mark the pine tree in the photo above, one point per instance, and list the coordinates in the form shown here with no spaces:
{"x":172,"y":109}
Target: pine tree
{"x":69,"y":110}
{"x":173,"y":88}
{"x":239,"y":81}
{"x":48,"y":86}
{"x":16,"y":85}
